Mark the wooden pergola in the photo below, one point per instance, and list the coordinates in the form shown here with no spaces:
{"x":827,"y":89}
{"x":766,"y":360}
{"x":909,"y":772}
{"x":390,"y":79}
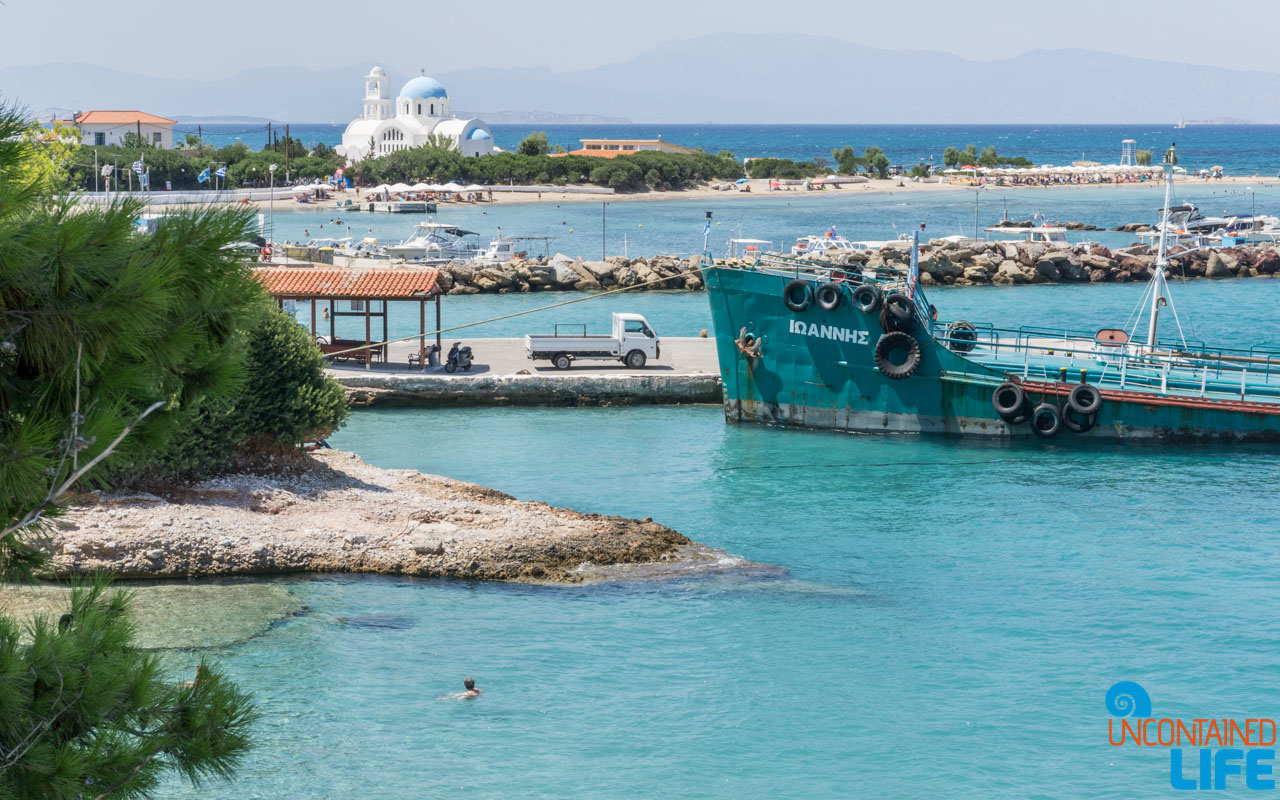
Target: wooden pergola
{"x":364,"y":287}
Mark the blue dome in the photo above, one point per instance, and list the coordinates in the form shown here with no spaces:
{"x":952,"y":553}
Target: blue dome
{"x":422,"y":88}
{"x":479,"y":133}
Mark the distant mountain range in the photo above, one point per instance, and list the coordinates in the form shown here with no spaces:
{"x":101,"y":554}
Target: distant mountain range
{"x":762,"y":79}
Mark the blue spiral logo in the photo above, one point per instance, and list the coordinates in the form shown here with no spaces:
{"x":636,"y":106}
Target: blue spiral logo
{"x":1128,"y":699}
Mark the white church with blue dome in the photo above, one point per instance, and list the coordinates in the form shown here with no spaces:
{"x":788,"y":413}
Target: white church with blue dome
{"x":421,"y":109}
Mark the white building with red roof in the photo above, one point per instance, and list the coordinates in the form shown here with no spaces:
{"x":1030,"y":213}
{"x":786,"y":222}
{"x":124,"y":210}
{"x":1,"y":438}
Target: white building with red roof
{"x":110,"y":127}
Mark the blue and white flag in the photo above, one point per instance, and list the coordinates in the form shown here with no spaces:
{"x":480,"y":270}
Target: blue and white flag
{"x":137,"y":166}
{"x":222,"y":172}
{"x":707,"y":230}
{"x":832,"y":233}
{"x":203,"y":177}
{"x":913,"y":275}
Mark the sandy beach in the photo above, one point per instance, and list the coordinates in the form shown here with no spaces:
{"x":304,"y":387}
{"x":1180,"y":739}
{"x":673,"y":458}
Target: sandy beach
{"x":759,"y":189}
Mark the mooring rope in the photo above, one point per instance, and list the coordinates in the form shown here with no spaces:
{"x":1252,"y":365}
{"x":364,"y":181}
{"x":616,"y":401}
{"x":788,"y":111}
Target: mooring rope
{"x":371,"y":345}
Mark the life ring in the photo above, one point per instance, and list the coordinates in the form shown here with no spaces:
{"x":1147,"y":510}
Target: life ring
{"x":901,"y":312}
{"x":867,"y":298}
{"x":806,"y":293}
{"x":829,"y":296}
{"x":1046,"y":420}
{"x":1085,"y":399}
{"x":962,"y":336}
{"x":839,"y":276}
{"x":897,"y":340}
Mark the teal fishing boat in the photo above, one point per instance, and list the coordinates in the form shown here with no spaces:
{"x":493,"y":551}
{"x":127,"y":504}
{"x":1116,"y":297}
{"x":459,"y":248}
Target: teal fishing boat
{"x":813,"y":344}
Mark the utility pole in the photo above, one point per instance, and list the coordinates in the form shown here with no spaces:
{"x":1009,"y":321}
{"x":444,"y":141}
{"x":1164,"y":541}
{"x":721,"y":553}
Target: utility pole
{"x":976,"y":192}
{"x":603,"y":206}
{"x":286,"y":152}
{"x":95,"y":170}
{"x":139,"y":123}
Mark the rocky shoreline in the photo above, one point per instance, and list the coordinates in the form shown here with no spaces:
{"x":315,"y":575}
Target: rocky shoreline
{"x":949,"y":262}
{"x":330,"y":512}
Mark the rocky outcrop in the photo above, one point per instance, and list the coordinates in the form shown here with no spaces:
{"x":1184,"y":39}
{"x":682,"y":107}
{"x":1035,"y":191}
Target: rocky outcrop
{"x":959,"y":262}
{"x":331,"y":512}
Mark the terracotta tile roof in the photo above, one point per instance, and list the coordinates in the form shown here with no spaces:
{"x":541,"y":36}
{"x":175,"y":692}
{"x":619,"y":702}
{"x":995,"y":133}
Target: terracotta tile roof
{"x":121,"y":118}
{"x":372,"y":283}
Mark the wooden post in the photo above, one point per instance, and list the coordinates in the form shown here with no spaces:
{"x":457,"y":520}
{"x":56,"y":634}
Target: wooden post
{"x":438,"y":323}
{"x":313,"y":318}
{"x":368,"y":352}
{"x":333,"y":336}
{"x":422,"y":334}
{"x":386,"y":348}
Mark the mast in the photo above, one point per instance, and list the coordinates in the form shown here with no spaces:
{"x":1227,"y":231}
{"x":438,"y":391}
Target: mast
{"x":1158,"y":284}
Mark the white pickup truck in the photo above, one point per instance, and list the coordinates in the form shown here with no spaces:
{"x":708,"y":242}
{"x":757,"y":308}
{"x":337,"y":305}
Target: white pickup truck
{"x":633,"y":343}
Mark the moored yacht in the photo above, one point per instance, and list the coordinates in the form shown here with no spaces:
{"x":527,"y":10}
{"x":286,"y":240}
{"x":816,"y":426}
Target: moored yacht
{"x":437,"y":242}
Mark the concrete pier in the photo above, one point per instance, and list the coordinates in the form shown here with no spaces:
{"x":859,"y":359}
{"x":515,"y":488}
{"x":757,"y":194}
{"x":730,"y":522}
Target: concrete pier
{"x":503,"y":374}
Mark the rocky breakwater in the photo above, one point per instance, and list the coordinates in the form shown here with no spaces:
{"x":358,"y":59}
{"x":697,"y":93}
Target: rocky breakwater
{"x":331,"y":512}
{"x":561,"y":273}
{"x":972,"y":262}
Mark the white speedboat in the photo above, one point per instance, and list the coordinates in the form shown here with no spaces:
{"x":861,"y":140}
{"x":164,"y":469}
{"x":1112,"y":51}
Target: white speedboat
{"x":821,"y":244}
{"x":437,"y":242}
{"x":1187,"y":219}
{"x":1051,"y":236}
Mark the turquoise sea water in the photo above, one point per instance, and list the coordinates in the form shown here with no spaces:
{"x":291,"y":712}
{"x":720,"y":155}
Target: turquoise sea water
{"x":676,"y":225}
{"x":1242,"y":149}
{"x":944,"y":620}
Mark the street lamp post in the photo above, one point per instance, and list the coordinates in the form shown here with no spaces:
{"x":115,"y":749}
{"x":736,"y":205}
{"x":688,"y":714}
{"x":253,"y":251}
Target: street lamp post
{"x":272,"y":201}
{"x":976,"y":192}
{"x":603,"y":228}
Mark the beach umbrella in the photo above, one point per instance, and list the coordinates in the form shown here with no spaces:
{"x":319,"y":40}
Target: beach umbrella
{"x":452,"y":187}
{"x":421,"y":187}
{"x":951,"y":171}
{"x":475,"y":187}
{"x":382,"y":187}
{"x":400,"y":187}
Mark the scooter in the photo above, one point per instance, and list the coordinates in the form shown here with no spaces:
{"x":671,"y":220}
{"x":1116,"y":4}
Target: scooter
{"x":459,"y":356}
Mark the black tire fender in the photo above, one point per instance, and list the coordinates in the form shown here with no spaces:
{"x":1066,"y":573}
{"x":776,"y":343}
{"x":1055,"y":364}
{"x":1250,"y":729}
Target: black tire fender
{"x":1046,"y":420}
{"x":1085,"y":399}
{"x":806,"y":295}
{"x":892,"y":341}
{"x":829,"y":296}
{"x":1010,"y":402}
{"x":866,"y":298}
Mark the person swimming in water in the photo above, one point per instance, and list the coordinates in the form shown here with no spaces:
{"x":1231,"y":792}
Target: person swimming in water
{"x":470,"y":694}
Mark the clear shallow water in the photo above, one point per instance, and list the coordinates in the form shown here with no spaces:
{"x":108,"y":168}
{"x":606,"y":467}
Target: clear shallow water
{"x":952,"y":615}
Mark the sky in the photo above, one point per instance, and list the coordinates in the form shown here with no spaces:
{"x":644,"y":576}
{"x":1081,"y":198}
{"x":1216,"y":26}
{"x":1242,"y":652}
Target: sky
{"x":216,"y":40}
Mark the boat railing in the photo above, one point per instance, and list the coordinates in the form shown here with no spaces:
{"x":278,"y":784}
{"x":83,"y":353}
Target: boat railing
{"x":1049,"y":354}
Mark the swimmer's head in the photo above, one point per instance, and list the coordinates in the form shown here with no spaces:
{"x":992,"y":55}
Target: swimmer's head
{"x":469,"y":683}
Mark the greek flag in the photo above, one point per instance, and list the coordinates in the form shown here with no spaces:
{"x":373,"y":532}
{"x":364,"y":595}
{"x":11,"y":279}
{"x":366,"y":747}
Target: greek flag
{"x":203,"y":177}
{"x":706,"y":231}
{"x":137,"y":166}
{"x":222,"y":172}
{"x":913,"y":275}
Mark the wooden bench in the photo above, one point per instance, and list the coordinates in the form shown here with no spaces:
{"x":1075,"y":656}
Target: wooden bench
{"x":342,"y":350}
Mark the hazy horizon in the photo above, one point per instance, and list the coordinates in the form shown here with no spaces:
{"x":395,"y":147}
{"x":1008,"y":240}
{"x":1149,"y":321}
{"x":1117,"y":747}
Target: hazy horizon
{"x":183,"y":42}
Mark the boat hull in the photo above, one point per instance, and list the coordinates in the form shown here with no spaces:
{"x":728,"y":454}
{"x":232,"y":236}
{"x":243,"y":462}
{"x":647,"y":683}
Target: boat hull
{"x":816,"y":369}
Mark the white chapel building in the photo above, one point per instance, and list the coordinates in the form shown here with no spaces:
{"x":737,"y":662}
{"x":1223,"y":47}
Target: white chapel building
{"x":420,"y":109}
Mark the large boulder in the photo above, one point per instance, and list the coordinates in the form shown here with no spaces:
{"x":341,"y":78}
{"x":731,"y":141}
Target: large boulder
{"x":1217,"y":267}
{"x":977,"y":274}
{"x":1048,"y":269}
{"x":1009,"y":269}
{"x":1267,"y":262}
{"x":1095,"y":261}
{"x":600,"y":269}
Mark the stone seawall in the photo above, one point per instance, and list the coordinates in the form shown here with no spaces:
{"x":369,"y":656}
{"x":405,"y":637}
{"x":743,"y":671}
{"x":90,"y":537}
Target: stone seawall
{"x":953,"y":262}
{"x":431,"y":391}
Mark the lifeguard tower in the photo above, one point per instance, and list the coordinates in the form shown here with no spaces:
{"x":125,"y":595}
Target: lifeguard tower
{"x":1127,"y":149}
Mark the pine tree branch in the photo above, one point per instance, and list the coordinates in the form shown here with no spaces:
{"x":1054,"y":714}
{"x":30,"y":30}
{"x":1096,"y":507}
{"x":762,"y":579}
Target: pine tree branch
{"x":33,"y":516}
